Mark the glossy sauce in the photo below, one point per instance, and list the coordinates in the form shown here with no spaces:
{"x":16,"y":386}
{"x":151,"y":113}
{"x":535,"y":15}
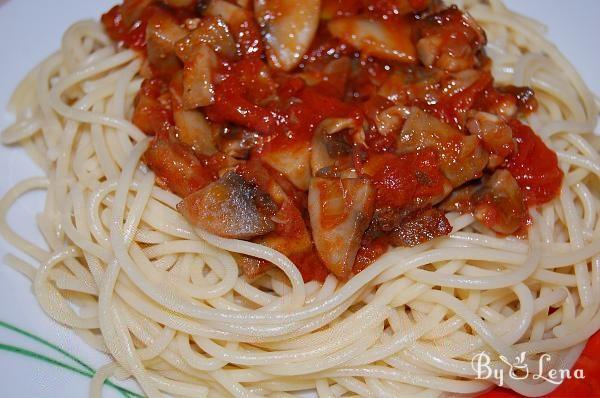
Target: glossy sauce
{"x":534,"y":166}
{"x":261,"y":123}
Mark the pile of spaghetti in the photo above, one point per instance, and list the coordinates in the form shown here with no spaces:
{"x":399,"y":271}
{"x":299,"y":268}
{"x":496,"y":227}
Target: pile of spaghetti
{"x":349,"y":197}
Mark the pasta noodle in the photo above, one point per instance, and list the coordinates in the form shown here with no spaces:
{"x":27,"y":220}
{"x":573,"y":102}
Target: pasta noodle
{"x":126,"y":272}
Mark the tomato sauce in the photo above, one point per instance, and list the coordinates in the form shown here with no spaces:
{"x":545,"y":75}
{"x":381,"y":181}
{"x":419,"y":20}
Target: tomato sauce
{"x":404,"y":180}
{"x":134,"y":36}
{"x":534,"y":166}
{"x":243,"y":98}
{"x":261,"y":122}
{"x":370,"y":251}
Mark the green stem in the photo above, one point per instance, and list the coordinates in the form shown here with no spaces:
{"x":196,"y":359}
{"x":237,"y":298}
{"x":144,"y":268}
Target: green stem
{"x":46,"y":343}
{"x":40,"y":357}
{"x":88,"y":370}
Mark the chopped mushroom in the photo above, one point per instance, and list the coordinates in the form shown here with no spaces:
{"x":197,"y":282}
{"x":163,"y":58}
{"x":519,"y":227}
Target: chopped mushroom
{"x":499,"y":204}
{"x":230,"y":207}
{"x":176,"y":167}
{"x":329,"y":145}
{"x":391,"y":119}
{"x":198,"y":89}
{"x":462,"y":157}
{"x":340,"y":211}
{"x":194,"y":130}
{"x":293,"y":161}
{"x":289,"y":27}
{"x":237,"y":142}
{"x":408,"y":181}
{"x":420,"y":227}
{"x":330,"y":133}
{"x":210,"y":31}
{"x":257,"y":173}
{"x":162,"y":33}
{"x":389,"y":40}
{"x":450,"y":40}
{"x":495,"y":134}
{"x":241,"y":22}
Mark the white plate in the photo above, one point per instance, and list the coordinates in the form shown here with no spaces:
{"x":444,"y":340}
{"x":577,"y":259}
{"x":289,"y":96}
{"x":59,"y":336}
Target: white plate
{"x":31,"y":30}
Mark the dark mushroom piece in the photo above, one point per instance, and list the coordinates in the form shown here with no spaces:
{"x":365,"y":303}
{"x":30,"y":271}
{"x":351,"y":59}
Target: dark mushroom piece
{"x":230,"y":207}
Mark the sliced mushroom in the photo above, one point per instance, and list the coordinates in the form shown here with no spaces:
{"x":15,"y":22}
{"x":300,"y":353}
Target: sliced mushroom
{"x":176,"y":167}
{"x":230,"y":207}
{"x":210,"y":31}
{"x":327,"y":145}
{"x":336,"y":72}
{"x":198,"y":89}
{"x":259,"y":174}
{"x":293,"y":161}
{"x":232,"y":13}
{"x":162,"y":33}
{"x":241,"y":22}
{"x":495,"y":134}
{"x":462,"y":157}
{"x":383,"y":39}
{"x":450,"y":40}
{"x":193,"y":130}
{"x":391,"y":119}
{"x":461,"y":199}
{"x":237,"y":142}
{"x":499,"y":204}
{"x":420,"y":227}
{"x":340,"y":211}
{"x":413,"y":85}
{"x":289,"y":27}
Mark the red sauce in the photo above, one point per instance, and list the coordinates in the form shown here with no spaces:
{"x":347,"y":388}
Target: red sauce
{"x":340,"y":8}
{"x":403,"y":181}
{"x":292,"y":228}
{"x":283,"y":115}
{"x":152,"y":115}
{"x":452,"y":109}
{"x":310,"y":266}
{"x":534,"y":166}
{"x":133,"y":36}
{"x":265,"y":112}
{"x":237,"y":94}
{"x":369,"y":252}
